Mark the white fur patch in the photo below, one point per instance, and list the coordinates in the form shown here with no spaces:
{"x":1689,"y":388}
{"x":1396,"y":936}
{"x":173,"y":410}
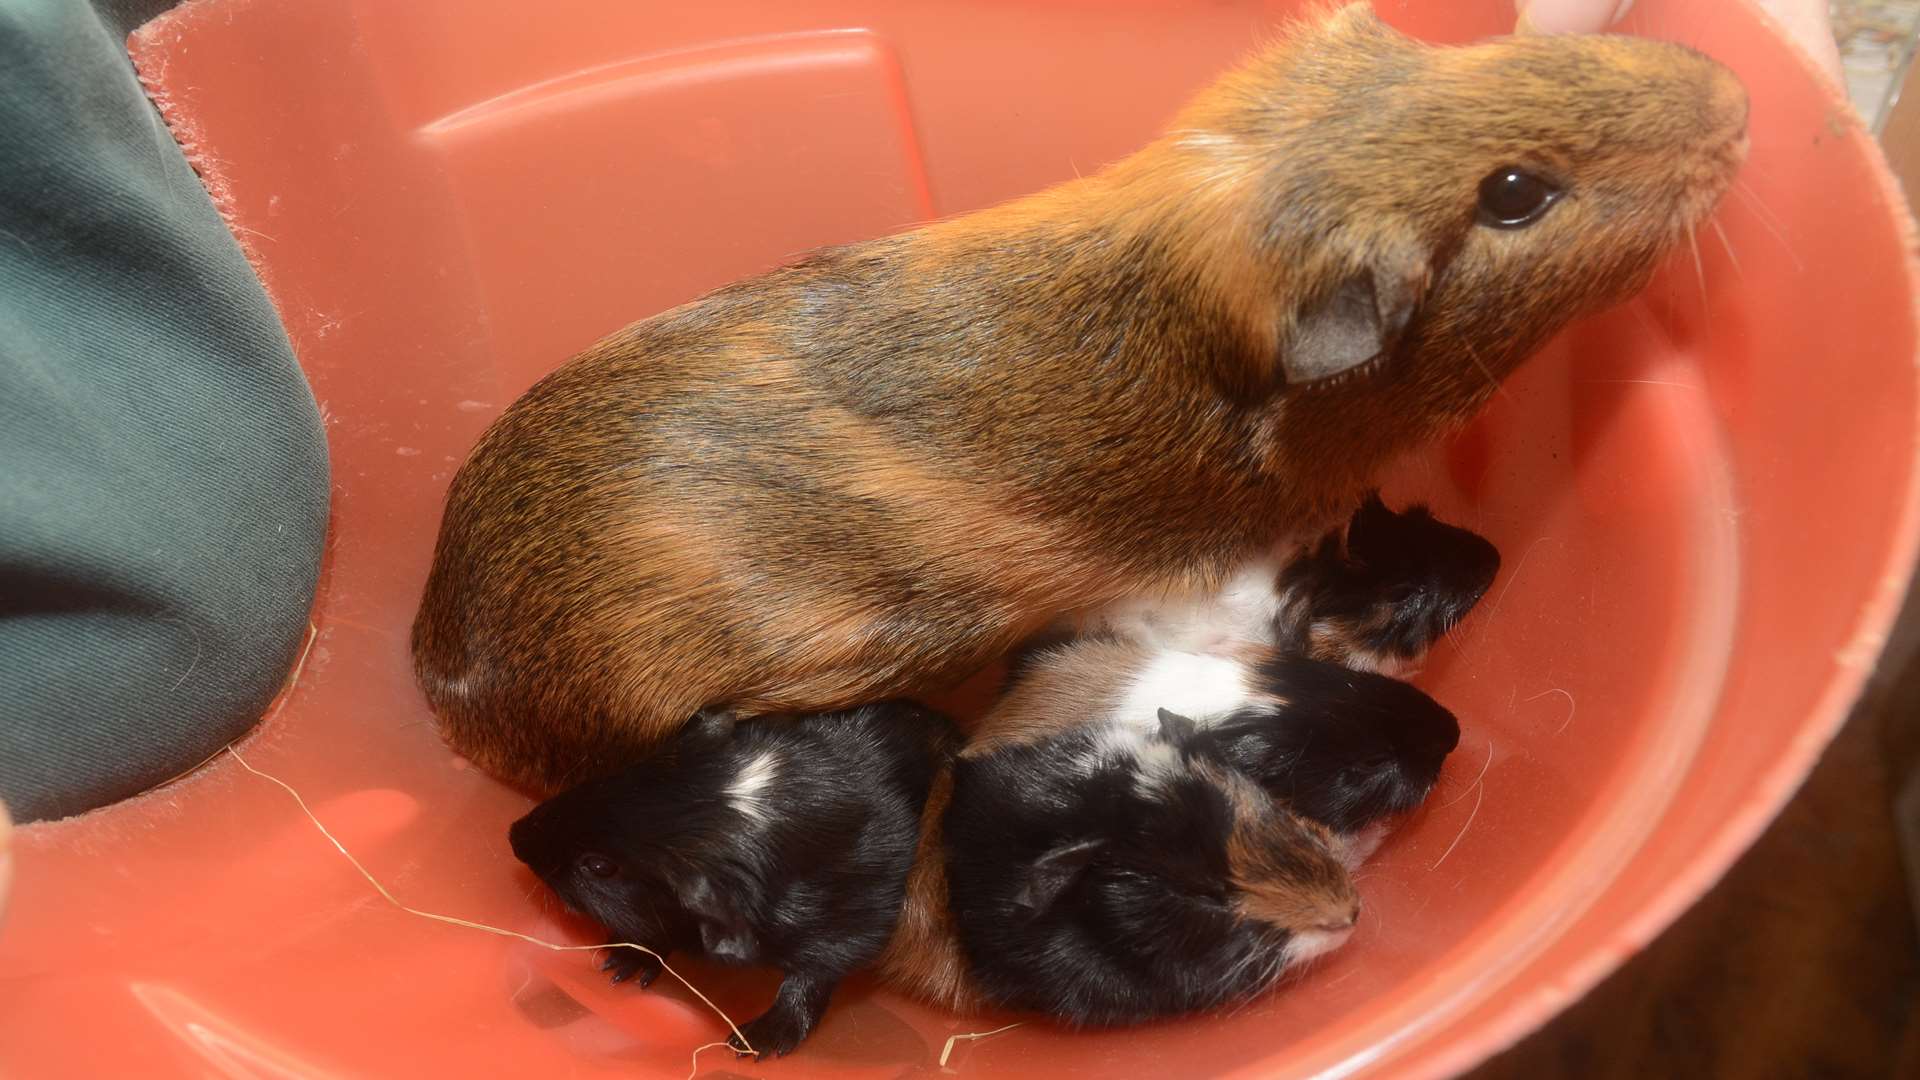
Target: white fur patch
{"x":747,"y":793}
{"x":1196,"y":686}
{"x":1307,"y":944}
{"x":1157,"y":761}
{"x":1357,"y":847}
{"x":1382,"y":663}
{"x":1242,"y":611}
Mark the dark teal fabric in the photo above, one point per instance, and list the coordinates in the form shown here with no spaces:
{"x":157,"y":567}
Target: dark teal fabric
{"x":163,"y":476}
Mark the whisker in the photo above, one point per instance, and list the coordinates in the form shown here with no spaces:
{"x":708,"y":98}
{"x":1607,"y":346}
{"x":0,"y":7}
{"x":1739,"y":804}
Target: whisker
{"x":1727,"y":244}
{"x":1475,"y":782}
{"x":1471,"y":814}
{"x":1571,"y":706}
{"x":1487,"y":371}
{"x":1771,"y":224}
{"x":1486,"y":623}
{"x":1653,"y":331}
{"x":1699,"y":268}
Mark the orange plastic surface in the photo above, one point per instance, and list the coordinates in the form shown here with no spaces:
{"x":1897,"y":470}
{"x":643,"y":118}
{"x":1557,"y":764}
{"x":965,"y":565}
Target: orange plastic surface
{"x":1706,"y":501}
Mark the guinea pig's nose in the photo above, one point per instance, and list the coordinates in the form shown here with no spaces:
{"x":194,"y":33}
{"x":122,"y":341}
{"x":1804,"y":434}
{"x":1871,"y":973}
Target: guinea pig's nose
{"x":1726,"y":102}
{"x":1335,"y":926}
{"x":1429,"y":741}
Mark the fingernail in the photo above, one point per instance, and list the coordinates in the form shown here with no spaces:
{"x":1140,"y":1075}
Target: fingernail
{"x":1571,"y":16}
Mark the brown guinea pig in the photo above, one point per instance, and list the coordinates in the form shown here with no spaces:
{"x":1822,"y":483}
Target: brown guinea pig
{"x":868,"y":473}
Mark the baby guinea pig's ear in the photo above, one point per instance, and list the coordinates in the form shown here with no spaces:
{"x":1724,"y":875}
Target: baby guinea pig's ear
{"x":1363,"y":316}
{"x":1051,"y":875}
{"x":710,"y":725}
{"x":723,"y":930}
{"x":1176,"y":729}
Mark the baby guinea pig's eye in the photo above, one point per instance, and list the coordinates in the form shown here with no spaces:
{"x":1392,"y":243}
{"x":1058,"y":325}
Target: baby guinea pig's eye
{"x":1513,"y":198}
{"x":598,"y":865}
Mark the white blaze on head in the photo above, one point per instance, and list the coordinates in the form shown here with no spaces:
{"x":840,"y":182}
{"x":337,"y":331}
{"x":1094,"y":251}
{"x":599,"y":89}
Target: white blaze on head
{"x":748,"y":792}
{"x":1196,"y":686}
{"x":1357,"y":847}
{"x":1305,"y":945}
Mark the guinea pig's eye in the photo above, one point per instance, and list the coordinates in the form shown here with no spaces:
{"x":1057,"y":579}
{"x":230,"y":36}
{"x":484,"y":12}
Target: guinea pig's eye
{"x":1512,"y":197}
{"x":598,"y":865}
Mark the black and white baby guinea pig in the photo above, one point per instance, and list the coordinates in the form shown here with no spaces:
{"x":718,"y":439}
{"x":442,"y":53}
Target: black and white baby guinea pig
{"x":1348,"y":749}
{"x":1352,"y":750}
{"x":1105,"y":875}
{"x":1380,"y":595}
{"x":777,"y":841}
{"x":1376,"y":595}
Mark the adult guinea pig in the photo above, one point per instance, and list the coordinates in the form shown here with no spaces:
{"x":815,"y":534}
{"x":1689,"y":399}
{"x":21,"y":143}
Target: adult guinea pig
{"x":1109,"y":877}
{"x":783,"y":842}
{"x":870,"y":472}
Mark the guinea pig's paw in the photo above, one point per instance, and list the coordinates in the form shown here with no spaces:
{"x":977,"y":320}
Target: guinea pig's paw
{"x":625,"y":964}
{"x":772,"y":1035}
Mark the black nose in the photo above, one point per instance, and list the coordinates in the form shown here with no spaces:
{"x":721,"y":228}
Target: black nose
{"x":1428,"y":738}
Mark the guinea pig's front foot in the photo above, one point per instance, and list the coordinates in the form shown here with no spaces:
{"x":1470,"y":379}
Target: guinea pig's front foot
{"x":797,"y":1009}
{"x":631,"y":964}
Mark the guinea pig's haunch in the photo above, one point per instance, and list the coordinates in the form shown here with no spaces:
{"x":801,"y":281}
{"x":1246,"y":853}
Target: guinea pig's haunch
{"x":1105,"y":876}
{"x":874,"y":470}
{"x":923,"y":959}
{"x":783,"y":842}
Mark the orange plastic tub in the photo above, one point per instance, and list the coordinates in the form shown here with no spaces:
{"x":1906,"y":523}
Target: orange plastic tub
{"x":1706,"y":501}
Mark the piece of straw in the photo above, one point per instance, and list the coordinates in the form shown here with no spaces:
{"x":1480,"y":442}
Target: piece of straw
{"x":469,"y":924}
{"x":947,"y":1050}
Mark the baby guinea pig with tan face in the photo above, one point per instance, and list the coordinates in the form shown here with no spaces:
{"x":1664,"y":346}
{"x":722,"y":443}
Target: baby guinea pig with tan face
{"x":781,"y":841}
{"x":1379,"y":596}
{"x":1374,"y":596}
{"x":869,"y":473}
{"x":1105,"y":877}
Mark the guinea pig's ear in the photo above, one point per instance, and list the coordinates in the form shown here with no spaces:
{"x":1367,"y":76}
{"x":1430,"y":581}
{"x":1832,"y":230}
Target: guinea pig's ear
{"x":1360,"y":319}
{"x":724,"y":932}
{"x":1372,"y":517}
{"x":1176,"y":729}
{"x":1051,"y":875}
{"x":710,"y":725}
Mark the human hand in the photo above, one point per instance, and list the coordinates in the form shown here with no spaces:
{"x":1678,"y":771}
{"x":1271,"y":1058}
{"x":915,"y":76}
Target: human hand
{"x":1806,"y":22}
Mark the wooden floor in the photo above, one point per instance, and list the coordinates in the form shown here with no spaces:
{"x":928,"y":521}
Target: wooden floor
{"x":1803,"y":962}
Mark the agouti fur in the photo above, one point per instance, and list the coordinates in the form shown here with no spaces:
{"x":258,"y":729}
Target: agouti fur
{"x":868,"y":473}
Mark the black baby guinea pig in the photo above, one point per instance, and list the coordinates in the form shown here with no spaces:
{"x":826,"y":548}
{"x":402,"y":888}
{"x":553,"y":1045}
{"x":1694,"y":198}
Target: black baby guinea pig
{"x":1379,"y":596}
{"x":777,"y":841}
{"x":1349,"y":749}
{"x":1107,"y":875}
{"x":1375,"y":594}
